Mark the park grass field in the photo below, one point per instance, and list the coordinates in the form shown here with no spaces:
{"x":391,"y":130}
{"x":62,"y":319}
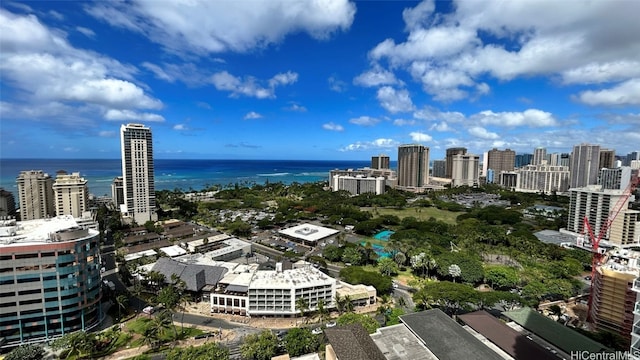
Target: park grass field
{"x":420,"y":213}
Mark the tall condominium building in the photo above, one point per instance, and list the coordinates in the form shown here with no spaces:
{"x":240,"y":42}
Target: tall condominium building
{"x":71,"y":194}
{"x":380,"y":162}
{"x":558,"y":159}
{"x":523,"y":159}
{"x":613,"y":298}
{"x":543,"y":178}
{"x":137,"y":173}
{"x":585,"y":160}
{"x":357,"y":185}
{"x":117,"y":191}
{"x":625,"y":229}
{"x":465,"y":170}
{"x":606,"y":159}
{"x":413,"y":166}
{"x":500,"y":160}
{"x":7,"y":203}
{"x":616,"y":178}
{"x":451,"y":152}
{"x":49,"y":279}
{"x":594,"y":203}
{"x":439,"y":168}
{"x":539,"y":156}
{"x":35,"y":193}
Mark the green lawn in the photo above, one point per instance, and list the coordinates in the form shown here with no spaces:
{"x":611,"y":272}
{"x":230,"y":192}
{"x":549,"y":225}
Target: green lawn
{"x":420,"y":213}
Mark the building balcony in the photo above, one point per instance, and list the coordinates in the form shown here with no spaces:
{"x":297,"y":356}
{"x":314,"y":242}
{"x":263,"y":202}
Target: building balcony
{"x":636,"y":285}
{"x":635,"y":332}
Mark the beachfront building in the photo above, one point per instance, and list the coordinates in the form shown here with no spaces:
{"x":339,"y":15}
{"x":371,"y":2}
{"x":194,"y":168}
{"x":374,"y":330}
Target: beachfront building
{"x":35,"y":194}
{"x":137,"y":174}
{"x":7,"y":203}
{"x":71,"y":194}
{"x":49,"y":279}
{"x":307,"y":234}
{"x":359,"y":184}
{"x":413,"y":166}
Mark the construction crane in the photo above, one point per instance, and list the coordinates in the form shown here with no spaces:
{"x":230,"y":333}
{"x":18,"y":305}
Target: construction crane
{"x":595,"y":240}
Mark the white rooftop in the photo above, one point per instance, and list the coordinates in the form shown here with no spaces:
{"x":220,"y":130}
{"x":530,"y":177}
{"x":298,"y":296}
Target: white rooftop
{"x":173,"y":250}
{"x":233,"y":244}
{"x":290,"y":279}
{"x":308,"y":232}
{"x":33,"y":232}
{"x":139,"y":255}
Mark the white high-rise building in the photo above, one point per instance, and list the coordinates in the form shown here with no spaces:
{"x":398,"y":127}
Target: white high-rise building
{"x":539,"y":156}
{"x":585,"y":160}
{"x":543,"y":178}
{"x":71,"y":194}
{"x":35,"y":193}
{"x":137,"y":173}
{"x":594,"y":203}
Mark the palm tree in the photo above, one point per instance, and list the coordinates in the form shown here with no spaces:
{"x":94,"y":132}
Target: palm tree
{"x":322,"y":310}
{"x":122,"y":301}
{"x":302,"y":305}
{"x":384,"y":306}
{"x":155,"y":279}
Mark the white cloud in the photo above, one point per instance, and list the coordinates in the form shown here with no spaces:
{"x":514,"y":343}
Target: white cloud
{"x":403,"y":122}
{"x":626,"y":93}
{"x":204,"y":27}
{"x":252,"y":115}
{"x":529,"y":117}
{"x":336,"y":84}
{"x":296,"y":108}
{"x":128,"y":115}
{"x":375,"y":77}
{"x":49,"y":73}
{"x":429,"y":113}
{"x":332,"y":127}
{"x":364,"y":121}
{"x":393,"y":100}
{"x":482,"y":133}
{"x":180,"y":127}
{"x":250,"y":86}
{"x":381,"y":143}
{"x":579,"y":43}
{"x":86,"y":31}
{"x":441,"y":126}
{"x":417,"y":136}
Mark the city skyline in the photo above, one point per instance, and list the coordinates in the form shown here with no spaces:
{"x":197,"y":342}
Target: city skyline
{"x":335,"y":80}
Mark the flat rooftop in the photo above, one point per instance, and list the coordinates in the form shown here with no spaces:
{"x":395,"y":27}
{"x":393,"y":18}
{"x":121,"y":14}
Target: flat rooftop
{"x":398,"y":343}
{"x":35,"y":232}
{"x":445,"y":338}
{"x":308,"y":232}
{"x":290,"y":279}
{"x":233,"y":244}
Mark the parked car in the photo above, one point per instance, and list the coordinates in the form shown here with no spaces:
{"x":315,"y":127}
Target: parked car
{"x":316,"y":331}
{"x":330,"y":324}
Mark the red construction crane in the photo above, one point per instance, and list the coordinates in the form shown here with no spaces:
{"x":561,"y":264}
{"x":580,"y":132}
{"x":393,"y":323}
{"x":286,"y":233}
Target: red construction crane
{"x":595,"y":241}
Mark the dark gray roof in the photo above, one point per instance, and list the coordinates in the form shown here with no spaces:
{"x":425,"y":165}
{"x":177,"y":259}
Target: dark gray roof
{"x":194,"y":276}
{"x":352,"y":342}
{"x":512,"y":342}
{"x":445,"y":338}
{"x":237,"y":288}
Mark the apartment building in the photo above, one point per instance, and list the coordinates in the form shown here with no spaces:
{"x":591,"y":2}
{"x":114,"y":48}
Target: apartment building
{"x":71,"y":194}
{"x":359,"y":184}
{"x":35,"y":194}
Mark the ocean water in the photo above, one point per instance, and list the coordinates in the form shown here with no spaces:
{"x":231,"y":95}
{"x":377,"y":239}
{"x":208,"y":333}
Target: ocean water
{"x":181,"y":174}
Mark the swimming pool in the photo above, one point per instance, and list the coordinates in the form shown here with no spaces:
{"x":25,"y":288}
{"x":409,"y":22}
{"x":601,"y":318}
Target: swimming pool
{"x":383,"y":235}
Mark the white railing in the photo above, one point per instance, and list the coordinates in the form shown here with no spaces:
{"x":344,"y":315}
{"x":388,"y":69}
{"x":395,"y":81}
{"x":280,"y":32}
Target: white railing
{"x":636,"y":285}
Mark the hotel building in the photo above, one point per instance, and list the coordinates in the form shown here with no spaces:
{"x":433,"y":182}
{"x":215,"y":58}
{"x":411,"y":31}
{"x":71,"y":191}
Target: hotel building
{"x":451,"y":152}
{"x":7,"y":203}
{"x":465,"y":170}
{"x":499,"y":161}
{"x":542,"y":178}
{"x":594,"y":203}
{"x":49,"y":279}
{"x":413,"y":166}
{"x":357,"y":185}
{"x":137,"y":173}
{"x":585,"y":160}
{"x":117,"y":191}
{"x":380,"y":162}
{"x":35,"y":193}
{"x":71,"y":194}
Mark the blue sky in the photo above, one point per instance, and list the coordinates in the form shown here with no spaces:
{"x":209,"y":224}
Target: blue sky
{"x":321,"y":79}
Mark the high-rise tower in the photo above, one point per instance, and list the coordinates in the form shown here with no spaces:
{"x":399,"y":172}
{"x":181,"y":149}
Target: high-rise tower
{"x":71,"y":194}
{"x":584,"y":167}
{"x":413,"y":166}
{"x":539,"y":155}
{"x":380,"y":162}
{"x":501,"y":160}
{"x":451,"y":152}
{"x":137,"y":173}
{"x":35,"y":193}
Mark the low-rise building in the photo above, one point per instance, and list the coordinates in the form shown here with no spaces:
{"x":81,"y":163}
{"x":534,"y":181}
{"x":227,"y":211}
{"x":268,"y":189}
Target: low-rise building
{"x":307,"y":234}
